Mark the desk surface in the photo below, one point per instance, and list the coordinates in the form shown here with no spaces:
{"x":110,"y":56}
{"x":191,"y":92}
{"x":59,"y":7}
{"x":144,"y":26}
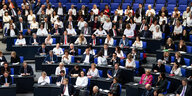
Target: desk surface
{"x":10,"y":86}
{"x":46,"y":86}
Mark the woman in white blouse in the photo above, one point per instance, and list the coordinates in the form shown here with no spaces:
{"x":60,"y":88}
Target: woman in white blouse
{"x":59,"y":68}
{"x":101,"y":60}
{"x":54,"y":17}
{"x":48,"y":40}
{"x":70,"y":30}
{"x":81,"y":23}
{"x":91,"y":50}
{"x":107,"y":24}
{"x":58,"y":50}
{"x":100,"y":32}
{"x":162,"y":18}
{"x":30,"y":16}
{"x":128,"y":11}
{"x":157,"y":34}
{"x":185,"y":15}
{"x":138,"y":43}
{"x":66,"y":58}
{"x":176,"y":11}
{"x":81,"y":40}
{"x":128,"y":31}
{"x":95,"y":9}
{"x":6,"y":17}
{"x":178,"y":29}
{"x":59,"y":23}
{"x":49,"y":10}
{"x":42,"y":31}
{"x":20,"y":40}
{"x":130,"y":62}
{"x":82,"y":80}
{"x":150,"y":11}
{"x":153,"y":26}
{"x":109,"y":40}
{"x":34,"y":25}
{"x":93,"y":71}
{"x":119,"y":10}
{"x":119,"y":52}
{"x":44,"y":79}
{"x":132,"y":24}
{"x":102,"y":17}
{"x":176,"y":70}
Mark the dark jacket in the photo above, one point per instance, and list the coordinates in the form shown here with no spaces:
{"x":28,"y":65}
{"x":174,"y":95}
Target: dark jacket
{"x":188,"y":91}
{"x":146,"y":34}
{"x":88,"y":31}
{"x":159,"y":69}
{"x":112,"y":33}
{"x":60,"y":77}
{"x":91,"y":58}
{"x":9,"y":80}
{"x":112,"y":62}
{"x":182,"y":62}
{"x":3,"y":59}
{"x":162,"y":85}
{"x":63,"y":39}
{"x":48,"y":58}
{"x":40,"y":50}
{"x":18,"y":26}
{"x":54,"y":31}
{"x":149,"y":93}
{"x":142,"y":12}
{"x":29,"y":70}
{"x":73,"y":53}
{"x":3,"y":70}
{"x":91,"y":41}
{"x":31,"y":40}
{"x":71,"y":89}
{"x":9,"y":31}
{"x":115,"y":89}
{"x":15,"y":60}
{"x":172,"y":46}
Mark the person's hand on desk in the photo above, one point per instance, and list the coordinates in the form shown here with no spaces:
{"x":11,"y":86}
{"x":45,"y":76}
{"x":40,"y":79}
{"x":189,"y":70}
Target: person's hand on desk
{"x":129,"y":66}
{"x":155,"y":71}
{"x":78,"y":61}
{"x":109,"y":76}
{"x":6,"y":84}
{"x":42,"y":54}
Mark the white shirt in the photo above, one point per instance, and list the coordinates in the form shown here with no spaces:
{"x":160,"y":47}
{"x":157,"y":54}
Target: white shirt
{"x":137,"y":20}
{"x":110,"y":42}
{"x":138,"y":44}
{"x":50,"y":41}
{"x":128,"y":11}
{"x":148,"y":12}
{"x":82,"y":81}
{"x":59,"y":23}
{"x":102,"y":60}
{"x":94,"y":73}
{"x":60,"y":11}
{"x":98,"y":32}
{"x":177,"y":72}
{"x":6,"y":18}
{"x":66,"y":93}
{"x":34,"y":25}
{"x":42,"y":32}
{"x":57,"y":71}
{"x":73,"y":11}
{"x":12,"y":33}
{"x":58,"y":51}
{"x":81,"y":43}
{"x":30,"y":18}
{"x":65,"y":60}
{"x":107,"y":25}
{"x":91,"y":52}
{"x":128,"y":32}
{"x":54,"y":19}
{"x":105,"y":52}
{"x":189,"y":22}
{"x":157,"y":35}
{"x":2,"y":12}
{"x":95,"y":11}
{"x":119,"y":54}
{"x":153,"y":27}
{"x":81,"y":24}
{"x":132,"y":63}
{"x":102,"y":18}
{"x":178,"y":30}
{"x":71,"y":31}
{"x":49,"y":11}
{"x":43,"y":81}
{"x":185,"y":14}
{"x":20,"y":41}
{"x":120,"y":12}
{"x":86,"y":59}
{"x":162,"y":19}
{"x":133,"y":26}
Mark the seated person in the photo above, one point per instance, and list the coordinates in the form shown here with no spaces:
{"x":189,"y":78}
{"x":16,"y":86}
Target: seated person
{"x":176,"y":70}
{"x":44,"y":79}
{"x":130,"y":62}
{"x":119,"y":52}
{"x":86,"y":30}
{"x":159,"y":67}
{"x":161,"y":85}
{"x":146,"y":33}
{"x":102,"y":60}
{"x":66,"y":58}
{"x":178,"y":29}
{"x":72,"y":50}
{"x":49,"y":40}
{"x":109,"y":40}
{"x":14,"y":58}
{"x":146,"y":78}
{"x":123,"y":42}
{"x":59,"y":68}
{"x":12,"y":32}
{"x":81,"y":40}
{"x":6,"y":79}
{"x":96,"y":91}
{"x":42,"y":31}
{"x":166,"y":58}
{"x":5,"y":68}
{"x":184,"y":89}
{"x":115,"y":87}
{"x":93,"y":71}
{"x":179,"y":59}
{"x":91,"y":50}
{"x":116,"y":72}
{"x":34,"y":40}
{"x":61,"y":77}
{"x":157,"y":34}
{"x":106,"y":51}
{"x":93,"y":41}
{"x":100,"y":32}
{"x":58,"y":50}
{"x":148,"y":90}
{"x":138,"y":43}
{"x":114,"y":59}
{"x":2,"y":58}
{"x":26,"y":69}
{"x":75,"y":71}
{"x":20,"y":41}
{"x":56,"y":30}
{"x":87,"y":58}
{"x":65,"y":39}
{"x":71,"y":31}
{"x":170,"y":44}
{"x":82,"y":80}
{"x":182,"y":46}
{"x":43,"y":50}
{"x":135,"y":54}
{"x":51,"y":58}
{"x":128,"y":32}
{"x":67,"y":89}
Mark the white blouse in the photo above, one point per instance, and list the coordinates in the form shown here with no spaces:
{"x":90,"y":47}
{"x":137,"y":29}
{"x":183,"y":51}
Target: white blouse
{"x":50,"y":41}
{"x":162,"y":19}
{"x":153,"y":27}
{"x":137,"y":20}
{"x":107,"y":25}
{"x":42,"y":32}
{"x":30,"y":18}
{"x":110,"y":42}
{"x":129,"y":32}
{"x":138,"y":44}
{"x":95,"y":11}
{"x":94,"y":73}
{"x":119,"y":54}
{"x":148,"y":12}
{"x":6,"y":18}
{"x":102,"y":18}
{"x":128,"y":11}
{"x":54,"y":19}
{"x":177,"y":72}
{"x":58,"y":51}
{"x":65,"y":60}
{"x":20,"y":42}
{"x":81,"y":24}
{"x":49,"y":11}
{"x":73,"y":11}
{"x":91,"y":52}
{"x":100,"y":33}
{"x":81,"y":43}
{"x":120,"y":12}
{"x":59,"y":23}
{"x":178,"y":30}
{"x":34,"y":25}
{"x":101,"y":60}
{"x":157,"y":35}
{"x":71,"y":31}
{"x":132,"y":63}
{"x":43,"y":81}
{"x":82,"y":81}
{"x":57,"y":71}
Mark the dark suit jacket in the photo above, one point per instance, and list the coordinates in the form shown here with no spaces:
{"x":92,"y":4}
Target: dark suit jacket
{"x":91,"y":41}
{"x":96,"y":94}
{"x":9,"y":80}
{"x":49,"y":25}
{"x":111,"y":32}
{"x":64,"y":10}
{"x":182,"y":62}
{"x":3,"y":59}
{"x":3,"y":70}
{"x":71,"y":89}
{"x":55,"y":59}
{"x":159,"y":69}
{"x":115,"y":89}
{"x":142,"y":11}
{"x":8,"y":32}
{"x":113,"y":62}
{"x":162,"y":85}
{"x":109,"y":51}
{"x":18,"y":26}
{"x":149,"y":94}
{"x":188,"y":91}
{"x":63,"y":39}
{"x":172,"y":46}
{"x":166,"y":13}
{"x":14,"y":4}
{"x":67,"y":23}
{"x":31,"y":40}
{"x":168,"y":60}
{"x":166,"y":30}
{"x":146,"y":34}
{"x":73,"y":53}
{"x":29,"y":70}
{"x":98,"y":24}
{"x":91,"y":58}
{"x":60,"y":77}
{"x":89,"y":31}
{"x":113,"y":17}
{"x":40,"y":50}
{"x":149,"y":19}
{"x":126,"y":42}
{"x":54,"y":31}
{"x":15,"y":60}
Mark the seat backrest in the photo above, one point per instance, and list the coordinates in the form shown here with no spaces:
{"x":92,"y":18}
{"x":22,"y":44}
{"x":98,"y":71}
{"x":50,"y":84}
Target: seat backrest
{"x":54,"y":41}
{"x":21,"y":59}
{"x":115,"y":43}
{"x":100,"y":73}
{"x":72,"y":59}
{"x":167,"y":68}
{"x":138,"y":1}
{"x":50,"y":79}
{"x":122,"y":62}
{"x":144,"y":45}
{"x":137,"y":64}
{"x":117,"y":1}
{"x":12,"y":71}
{"x":95,"y":60}
{"x":189,"y":49}
{"x":150,"y":1}
{"x":187,"y":61}
{"x":183,"y":72}
{"x":128,"y":1}
{"x":79,"y":51}
{"x":114,"y":6}
{"x":106,"y":1}
{"x":74,"y":1}
{"x":168,"y":85}
{"x":96,"y":1}
{"x":171,"y":1}
{"x":160,"y":2}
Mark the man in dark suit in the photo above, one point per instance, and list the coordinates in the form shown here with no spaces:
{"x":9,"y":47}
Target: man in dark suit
{"x":165,"y":29}
{"x":19,"y":14}
{"x":43,"y":50}
{"x":65,"y":39}
{"x":34,"y":40}
{"x":13,"y":13}
{"x":60,"y":10}
{"x":159,"y":67}
{"x":96,"y":91}
{"x":93,"y":41}
{"x":146,"y":33}
{"x":72,"y":50}
{"x":120,"y":27}
{"x":114,"y":59}
{"x":37,"y":6}
{"x":106,"y":51}
{"x":151,"y":19}
{"x":115,"y":87}
{"x":87,"y":58}
{"x":71,"y":22}
{"x":67,"y":89}
{"x":6,"y":79}
{"x":116,"y":72}
{"x":47,"y":24}
{"x":86,"y":30}
{"x":90,"y":16}
{"x":2,"y":58}
{"x":124,"y":42}
{"x":51,"y":58}
{"x":148,"y":90}
{"x":42,"y":16}
{"x":95,"y":24}
{"x":115,"y":18}
{"x":135,"y":53}
{"x":26,"y":69}
{"x":184,"y":89}
{"x":61,"y":77}
{"x":140,"y":11}
{"x":56,"y":30}
{"x":114,"y":32}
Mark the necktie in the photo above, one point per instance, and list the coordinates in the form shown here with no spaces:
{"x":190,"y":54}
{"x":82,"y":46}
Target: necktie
{"x":56,"y":31}
{"x":85,"y":30}
{"x":5,"y":80}
{"x":64,"y":89}
{"x":25,"y":70}
{"x":183,"y":91}
{"x":65,"y":39}
{"x":115,"y":34}
{"x":93,"y":42}
{"x":151,"y":21}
